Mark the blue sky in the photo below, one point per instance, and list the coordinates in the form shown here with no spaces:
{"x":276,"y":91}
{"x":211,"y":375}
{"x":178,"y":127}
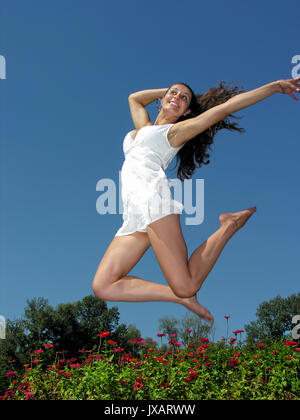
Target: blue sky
{"x":70,"y":66}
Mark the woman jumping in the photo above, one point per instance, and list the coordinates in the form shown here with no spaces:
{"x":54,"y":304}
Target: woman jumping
{"x":185,"y":127}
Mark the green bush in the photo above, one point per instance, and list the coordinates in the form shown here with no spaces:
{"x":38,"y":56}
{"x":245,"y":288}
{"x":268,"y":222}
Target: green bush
{"x":202,"y":372}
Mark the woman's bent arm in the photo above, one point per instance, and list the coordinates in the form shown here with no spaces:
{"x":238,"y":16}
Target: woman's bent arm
{"x":145,"y":97}
{"x":137,"y":103}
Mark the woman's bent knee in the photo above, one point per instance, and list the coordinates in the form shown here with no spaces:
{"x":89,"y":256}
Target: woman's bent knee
{"x":101,"y":291}
{"x":184,"y":292}
{"x":101,"y":287}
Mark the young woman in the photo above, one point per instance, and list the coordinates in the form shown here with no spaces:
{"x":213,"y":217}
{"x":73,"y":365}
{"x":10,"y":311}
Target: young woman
{"x":184,"y":127}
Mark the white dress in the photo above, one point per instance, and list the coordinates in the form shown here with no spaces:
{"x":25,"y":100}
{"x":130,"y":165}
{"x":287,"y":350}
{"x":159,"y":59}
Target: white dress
{"x":146,"y":193}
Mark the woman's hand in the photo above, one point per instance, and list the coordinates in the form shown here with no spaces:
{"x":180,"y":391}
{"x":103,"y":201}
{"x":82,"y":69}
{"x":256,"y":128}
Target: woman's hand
{"x":289,"y":86}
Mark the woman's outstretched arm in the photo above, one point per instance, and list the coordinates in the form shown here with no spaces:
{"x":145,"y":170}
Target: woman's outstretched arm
{"x":243,"y":100}
{"x":186,"y":130}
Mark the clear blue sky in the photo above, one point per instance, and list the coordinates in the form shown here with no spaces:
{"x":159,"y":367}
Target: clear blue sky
{"x":71,"y":65}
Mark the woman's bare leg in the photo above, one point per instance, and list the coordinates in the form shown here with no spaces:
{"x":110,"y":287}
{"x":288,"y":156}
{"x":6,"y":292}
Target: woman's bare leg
{"x":184,"y":276}
{"x":204,"y":258}
{"x":111,"y":282}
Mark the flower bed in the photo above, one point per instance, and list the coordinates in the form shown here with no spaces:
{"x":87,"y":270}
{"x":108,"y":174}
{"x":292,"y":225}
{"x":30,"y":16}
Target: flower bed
{"x":194,"y":372}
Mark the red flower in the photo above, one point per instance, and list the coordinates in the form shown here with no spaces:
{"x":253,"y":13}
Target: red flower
{"x":10,"y":373}
{"x":138,"y":383}
{"x":161,"y":335}
{"x":238,"y":332}
{"x":191,"y":376}
{"x":297,"y":349}
{"x":122,"y":382}
{"x":75,"y":365}
{"x":189,"y":331}
{"x":205,"y":346}
{"x":291,"y":343}
{"x":118,"y":349}
{"x":163,"y":385}
{"x":132,"y":341}
{"x":113,"y":343}
{"x":48,"y":346}
{"x":29,"y":395}
{"x":234,"y":362}
{"x":260,"y":344}
{"x":103,"y":334}
{"x":226,"y":317}
{"x":204,"y":340}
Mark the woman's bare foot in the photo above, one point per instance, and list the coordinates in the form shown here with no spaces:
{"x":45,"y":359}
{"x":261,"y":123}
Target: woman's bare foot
{"x":193,"y":305}
{"x":234,"y":221}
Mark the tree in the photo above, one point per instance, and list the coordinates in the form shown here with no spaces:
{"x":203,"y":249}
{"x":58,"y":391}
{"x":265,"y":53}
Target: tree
{"x":168,"y":325}
{"x":180,"y":327}
{"x":69,"y":326}
{"x":274,"y":318}
{"x":199,"y":329}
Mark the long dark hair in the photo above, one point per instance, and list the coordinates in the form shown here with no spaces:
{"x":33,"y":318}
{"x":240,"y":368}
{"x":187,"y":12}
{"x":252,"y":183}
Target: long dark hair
{"x":195,"y":151}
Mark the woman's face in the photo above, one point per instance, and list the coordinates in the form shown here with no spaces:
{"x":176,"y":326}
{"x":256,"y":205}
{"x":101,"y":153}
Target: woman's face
{"x":177,"y":100}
